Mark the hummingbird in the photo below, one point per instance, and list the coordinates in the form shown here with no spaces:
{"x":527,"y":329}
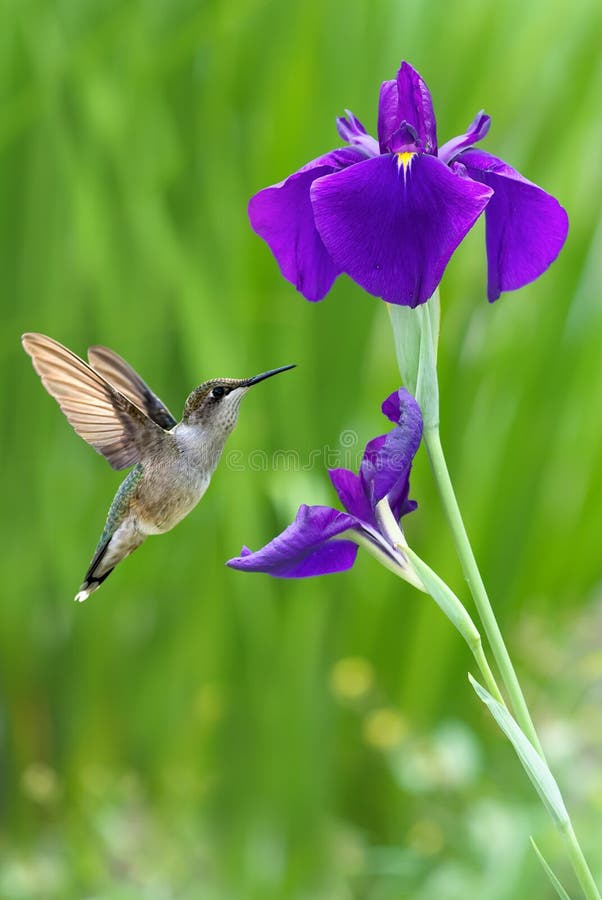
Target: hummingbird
{"x":113,"y":409}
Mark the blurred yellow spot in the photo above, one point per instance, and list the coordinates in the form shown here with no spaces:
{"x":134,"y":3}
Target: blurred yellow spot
{"x":351,"y":678}
{"x":404,"y":159}
{"x":591,"y":664}
{"x":40,"y":783}
{"x":209,"y":703}
{"x":426,"y":838}
{"x":349,"y":851}
{"x":384,"y":728}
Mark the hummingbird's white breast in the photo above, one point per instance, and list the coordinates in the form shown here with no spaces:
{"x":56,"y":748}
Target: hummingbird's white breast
{"x":173,"y":483}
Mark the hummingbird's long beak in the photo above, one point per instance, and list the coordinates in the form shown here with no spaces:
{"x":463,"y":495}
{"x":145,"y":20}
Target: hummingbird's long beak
{"x":257,"y":378}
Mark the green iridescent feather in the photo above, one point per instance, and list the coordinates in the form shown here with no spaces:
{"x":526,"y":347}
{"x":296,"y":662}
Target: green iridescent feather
{"x":119,"y":506}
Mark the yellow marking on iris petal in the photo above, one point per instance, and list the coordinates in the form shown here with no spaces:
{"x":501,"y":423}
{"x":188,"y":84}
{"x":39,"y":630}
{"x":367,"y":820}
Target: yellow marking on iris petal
{"x":404,"y":159}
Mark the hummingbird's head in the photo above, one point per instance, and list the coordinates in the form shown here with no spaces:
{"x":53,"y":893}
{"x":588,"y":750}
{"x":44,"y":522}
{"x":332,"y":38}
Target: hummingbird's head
{"x":214,"y":404}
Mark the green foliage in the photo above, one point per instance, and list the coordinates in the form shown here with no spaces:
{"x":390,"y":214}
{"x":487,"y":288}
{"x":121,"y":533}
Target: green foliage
{"x":193,"y":732}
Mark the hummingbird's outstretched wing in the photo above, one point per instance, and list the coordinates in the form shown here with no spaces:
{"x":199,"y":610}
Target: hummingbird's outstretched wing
{"x":99,"y":413}
{"x":120,"y":374}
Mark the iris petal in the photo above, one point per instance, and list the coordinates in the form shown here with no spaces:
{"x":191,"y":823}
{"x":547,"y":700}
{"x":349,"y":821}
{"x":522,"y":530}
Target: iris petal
{"x":315,"y":543}
{"x":477,"y":130}
{"x":282,"y":215}
{"x":305,"y":548}
{"x":351,"y":130}
{"x":400,"y":407}
{"x":525,"y":227}
{"x":407,"y":99}
{"x":350,"y":489}
{"x":385,"y":469}
{"x":388,"y":118}
{"x":393,"y":227}
{"x":372,"y":475}
{"x":391,"y":407}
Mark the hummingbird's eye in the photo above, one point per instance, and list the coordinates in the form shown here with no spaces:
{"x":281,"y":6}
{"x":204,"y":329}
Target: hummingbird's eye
{"x":218,"y":392}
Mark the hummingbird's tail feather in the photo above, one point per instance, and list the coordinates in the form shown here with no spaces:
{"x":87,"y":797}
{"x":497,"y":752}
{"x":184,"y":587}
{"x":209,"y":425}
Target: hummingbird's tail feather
{"x":85,"y":593}
{"x":96,"y":573}
{"x":108,"y":553}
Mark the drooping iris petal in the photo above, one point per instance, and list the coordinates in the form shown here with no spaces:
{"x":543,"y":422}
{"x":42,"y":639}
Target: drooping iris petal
{"x":351,"y":130}
{"x":385,"y":468}
{"x":306,"y":547}
{"x":392,"y":225}
{"x":477,"y":130}
{"x":407,"y":99}
{"x":350,"y":489}
{"x":282,"y":215}
{"x":525,"y":227}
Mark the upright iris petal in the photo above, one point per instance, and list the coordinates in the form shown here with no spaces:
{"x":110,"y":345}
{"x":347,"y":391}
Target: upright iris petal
{"x":385,"y":468}
{"x":352,"y":494}
{"x":351,"y":130}
{"x":477,"y":130}
{"x":322,"y":540}
{"x":390,"y":213}
{"x":406,"y":100}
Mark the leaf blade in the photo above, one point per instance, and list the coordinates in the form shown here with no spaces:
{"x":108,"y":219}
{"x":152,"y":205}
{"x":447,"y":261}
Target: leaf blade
{"x":547,"y":869}
{"x":536,"y":768}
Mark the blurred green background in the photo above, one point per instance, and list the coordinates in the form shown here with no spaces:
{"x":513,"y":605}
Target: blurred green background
{"x":192,"y":732}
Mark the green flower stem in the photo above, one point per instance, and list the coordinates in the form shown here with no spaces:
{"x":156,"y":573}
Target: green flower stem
{"x":444,"y":597}
{"x":481,"y":660}
{"x":416,"y":336}
{"x":496,"y":641}
{"x":578,"y":862}
{"x":432,"y":441}
{"x":418,"y":573}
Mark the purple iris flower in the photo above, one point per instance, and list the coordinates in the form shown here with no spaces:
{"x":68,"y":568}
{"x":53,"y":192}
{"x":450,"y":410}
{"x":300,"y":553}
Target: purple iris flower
{"x":323,"y":540}
{"x":391,"y":212}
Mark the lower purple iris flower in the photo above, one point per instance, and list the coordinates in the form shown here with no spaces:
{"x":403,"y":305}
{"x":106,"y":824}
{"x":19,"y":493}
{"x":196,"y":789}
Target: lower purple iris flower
{"x":323,"y":540}
{"x":390,"y":213}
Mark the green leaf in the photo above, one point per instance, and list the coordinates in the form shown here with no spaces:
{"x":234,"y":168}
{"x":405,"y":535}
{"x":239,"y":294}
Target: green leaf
{"x":416,"y":334}
{"x":535,"y":767}
{"x":427,"y":387}
{"x":553,"y":880}
{"x":405,"y":323}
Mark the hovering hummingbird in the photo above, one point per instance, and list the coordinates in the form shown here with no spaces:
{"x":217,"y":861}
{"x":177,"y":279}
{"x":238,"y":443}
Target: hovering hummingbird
{"x":110,"y":406}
